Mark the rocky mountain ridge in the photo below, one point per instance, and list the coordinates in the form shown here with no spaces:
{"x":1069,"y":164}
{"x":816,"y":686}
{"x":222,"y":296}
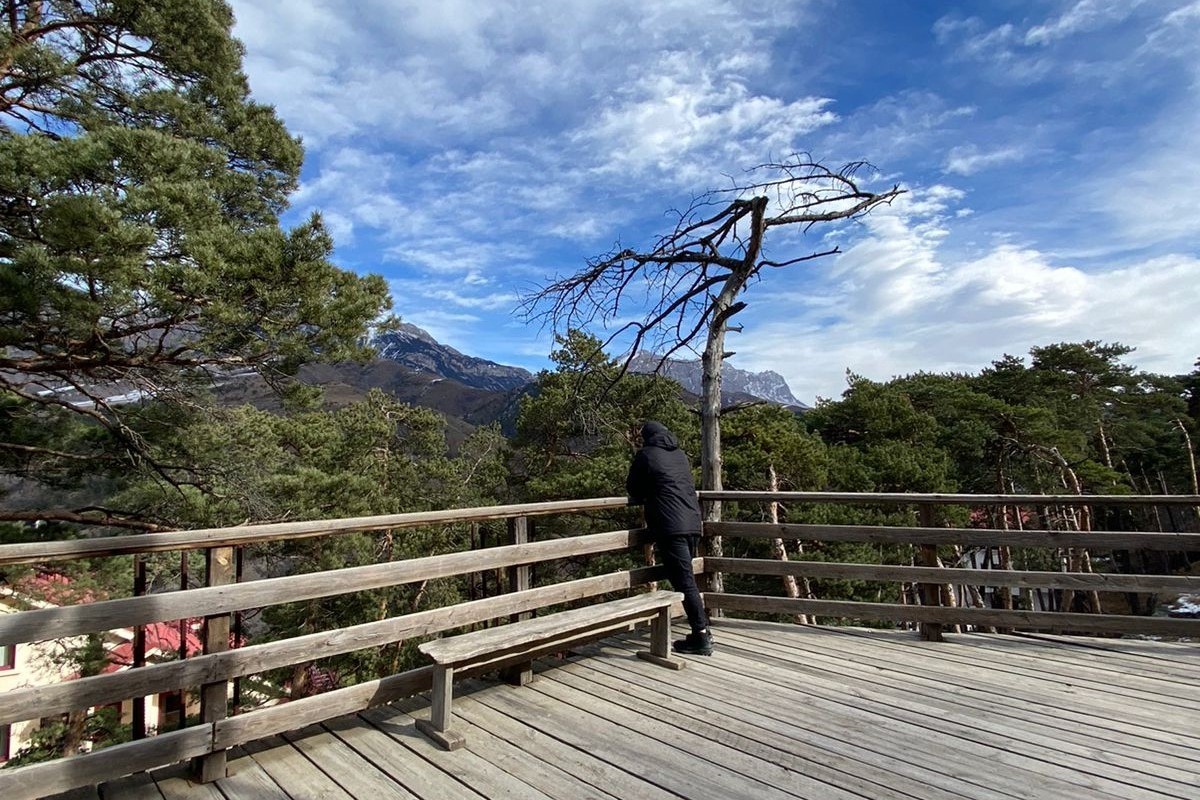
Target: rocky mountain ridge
{"x":735,"y":383}
{"x":414,"y":348}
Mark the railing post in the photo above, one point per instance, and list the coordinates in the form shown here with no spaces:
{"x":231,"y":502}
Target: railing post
{"x":214,"y":697}
{"x":239,"y":628}
{"x":711,"y":546}
{"x":519,"y":580}
{"x":651,"y":559}
{"x":137,"y":725}
{"x":931,"y":593}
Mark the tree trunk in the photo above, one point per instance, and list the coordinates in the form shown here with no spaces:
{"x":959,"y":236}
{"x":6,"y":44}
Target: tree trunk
{"x":1187,"y":440}
{"x":710,"y":443}
{"x":723,"y":307}
{"x":1108,"y":462}
{"x":779,"y":551}
{"x":949,"y":597}
{"x":75,"y":733}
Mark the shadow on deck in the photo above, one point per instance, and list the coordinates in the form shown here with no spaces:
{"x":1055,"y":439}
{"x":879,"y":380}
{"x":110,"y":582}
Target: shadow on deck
{"x":779,"y":711}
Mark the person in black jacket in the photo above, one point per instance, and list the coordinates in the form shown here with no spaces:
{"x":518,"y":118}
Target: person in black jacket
{"x":660,"y":478}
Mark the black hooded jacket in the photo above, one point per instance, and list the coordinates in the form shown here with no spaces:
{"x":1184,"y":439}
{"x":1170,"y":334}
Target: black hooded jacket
{"x":660,"y":477}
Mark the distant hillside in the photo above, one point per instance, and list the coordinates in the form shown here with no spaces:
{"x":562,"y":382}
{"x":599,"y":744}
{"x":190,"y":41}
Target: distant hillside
{"x":736,"y":383}
{"x":416,"y":349}
{"x":470,"y":392}
{"x":464,"y":407}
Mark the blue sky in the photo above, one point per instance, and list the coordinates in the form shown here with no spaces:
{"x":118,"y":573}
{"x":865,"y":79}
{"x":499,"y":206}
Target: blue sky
{"x":469,"y":151}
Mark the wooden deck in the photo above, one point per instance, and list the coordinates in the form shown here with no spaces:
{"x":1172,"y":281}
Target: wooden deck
{"x":778,"y":712}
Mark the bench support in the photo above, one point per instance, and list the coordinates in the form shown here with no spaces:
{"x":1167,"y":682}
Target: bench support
{"x":514,"y":646}
{"x":517,"y":674}
{"x":437,"y":727}
{"x":660,"y":642}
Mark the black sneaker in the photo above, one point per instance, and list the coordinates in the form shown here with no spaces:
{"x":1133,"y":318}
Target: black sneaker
{"x":696,"y":644}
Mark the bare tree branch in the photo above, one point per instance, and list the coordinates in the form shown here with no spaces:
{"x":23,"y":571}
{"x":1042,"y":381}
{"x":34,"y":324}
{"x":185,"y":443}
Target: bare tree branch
{"x":87,"y":516}
{"x":687,"y":284}
{"x":715,"y":243}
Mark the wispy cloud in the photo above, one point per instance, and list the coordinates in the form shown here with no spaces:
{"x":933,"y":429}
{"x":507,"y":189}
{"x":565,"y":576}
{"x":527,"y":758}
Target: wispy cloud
{"x":969,"y":159}
{"x":929,"y":313}
{"x":1085,"y":15}
{"x":680,"y":118}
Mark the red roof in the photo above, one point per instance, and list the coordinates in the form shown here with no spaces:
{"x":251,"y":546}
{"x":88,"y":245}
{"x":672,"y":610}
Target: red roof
{"x":162,"y":642}
{"x":55,"y":588}
{"x":162,"y":638}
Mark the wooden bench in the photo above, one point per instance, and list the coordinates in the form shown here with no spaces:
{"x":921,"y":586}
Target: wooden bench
{"x":520,"y":642}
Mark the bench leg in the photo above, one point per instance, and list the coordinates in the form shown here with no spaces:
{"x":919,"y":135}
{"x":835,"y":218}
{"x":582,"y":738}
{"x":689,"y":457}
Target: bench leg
{"x":518,"y":674}
{"x":660,"y":642}
{"x":437,"y":727}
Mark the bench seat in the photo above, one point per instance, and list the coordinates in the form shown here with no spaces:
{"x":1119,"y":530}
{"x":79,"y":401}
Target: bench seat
{"x":528,"y":639}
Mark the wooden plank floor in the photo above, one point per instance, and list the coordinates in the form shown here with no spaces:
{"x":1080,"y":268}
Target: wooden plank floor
{"x":779,"y":711}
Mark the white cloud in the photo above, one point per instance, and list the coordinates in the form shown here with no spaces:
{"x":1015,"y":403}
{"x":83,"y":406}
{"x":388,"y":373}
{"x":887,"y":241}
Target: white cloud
{"x":426,"y":295}
{"x":1176,"y":38}
{"x":894,"y":304}
{"x":681,"y":118}
{"x":445,"y":133}
{"x":897,"y":127}
{"x":969,"y":159}
{"x":1085,"y":15}
{"x":452,"y":72}
{"x":1148,"y":191}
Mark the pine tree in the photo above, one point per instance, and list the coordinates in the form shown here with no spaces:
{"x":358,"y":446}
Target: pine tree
{"x":140,"y":245}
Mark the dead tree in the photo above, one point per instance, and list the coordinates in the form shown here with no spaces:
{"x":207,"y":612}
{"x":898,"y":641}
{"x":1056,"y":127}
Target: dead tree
{"x":686,"y":286}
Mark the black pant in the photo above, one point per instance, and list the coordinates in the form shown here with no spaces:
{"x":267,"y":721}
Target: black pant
{"x":676,"y":552}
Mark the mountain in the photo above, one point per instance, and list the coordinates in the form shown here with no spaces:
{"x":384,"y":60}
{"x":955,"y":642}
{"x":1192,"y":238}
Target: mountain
{"x":414,"y":348}
{"x":465,"y":408}
{"x":469,"y":392}
{"x":736,"y":384}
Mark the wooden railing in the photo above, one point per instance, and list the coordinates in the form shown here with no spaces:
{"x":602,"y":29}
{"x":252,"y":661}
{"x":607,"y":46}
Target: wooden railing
{"x":208,"y":740}
{"x":216,"y":732}
{"x":928,"y":577}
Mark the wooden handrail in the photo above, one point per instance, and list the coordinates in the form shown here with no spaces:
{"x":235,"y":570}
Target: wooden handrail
{"x":915,"y":498}
{"x":1099,"y":581}
{"x":1039,"y":620}
{"x":968,"y":537}
{"x":38,"y":552}
{"x":37,"y":701}
{"x":55,"y":623}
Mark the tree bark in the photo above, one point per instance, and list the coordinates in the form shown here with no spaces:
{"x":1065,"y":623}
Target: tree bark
{"x":1191,"y":453}
{"x":723,"y":308}
{"x":779,"y":551}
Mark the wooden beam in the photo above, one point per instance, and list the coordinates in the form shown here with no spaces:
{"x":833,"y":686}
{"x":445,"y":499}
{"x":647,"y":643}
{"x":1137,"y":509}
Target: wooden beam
{"x":214,"y":696}
{"x":56,"y":623}
{"x":906,"y":498}
{"x":1035,"y":620}
{"x":520,"y":579}
{"x":974,"y":537}
{"x":1099,"y":581}
{"x":282,"y":531}
{"x":930,"y":593}
{"x":38,"y":701}
{"x":310,"y":710}
{"x":53,"y":777}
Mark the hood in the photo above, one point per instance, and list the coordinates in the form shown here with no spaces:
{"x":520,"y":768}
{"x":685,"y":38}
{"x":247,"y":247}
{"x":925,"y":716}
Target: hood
{"x":655,"y":434}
